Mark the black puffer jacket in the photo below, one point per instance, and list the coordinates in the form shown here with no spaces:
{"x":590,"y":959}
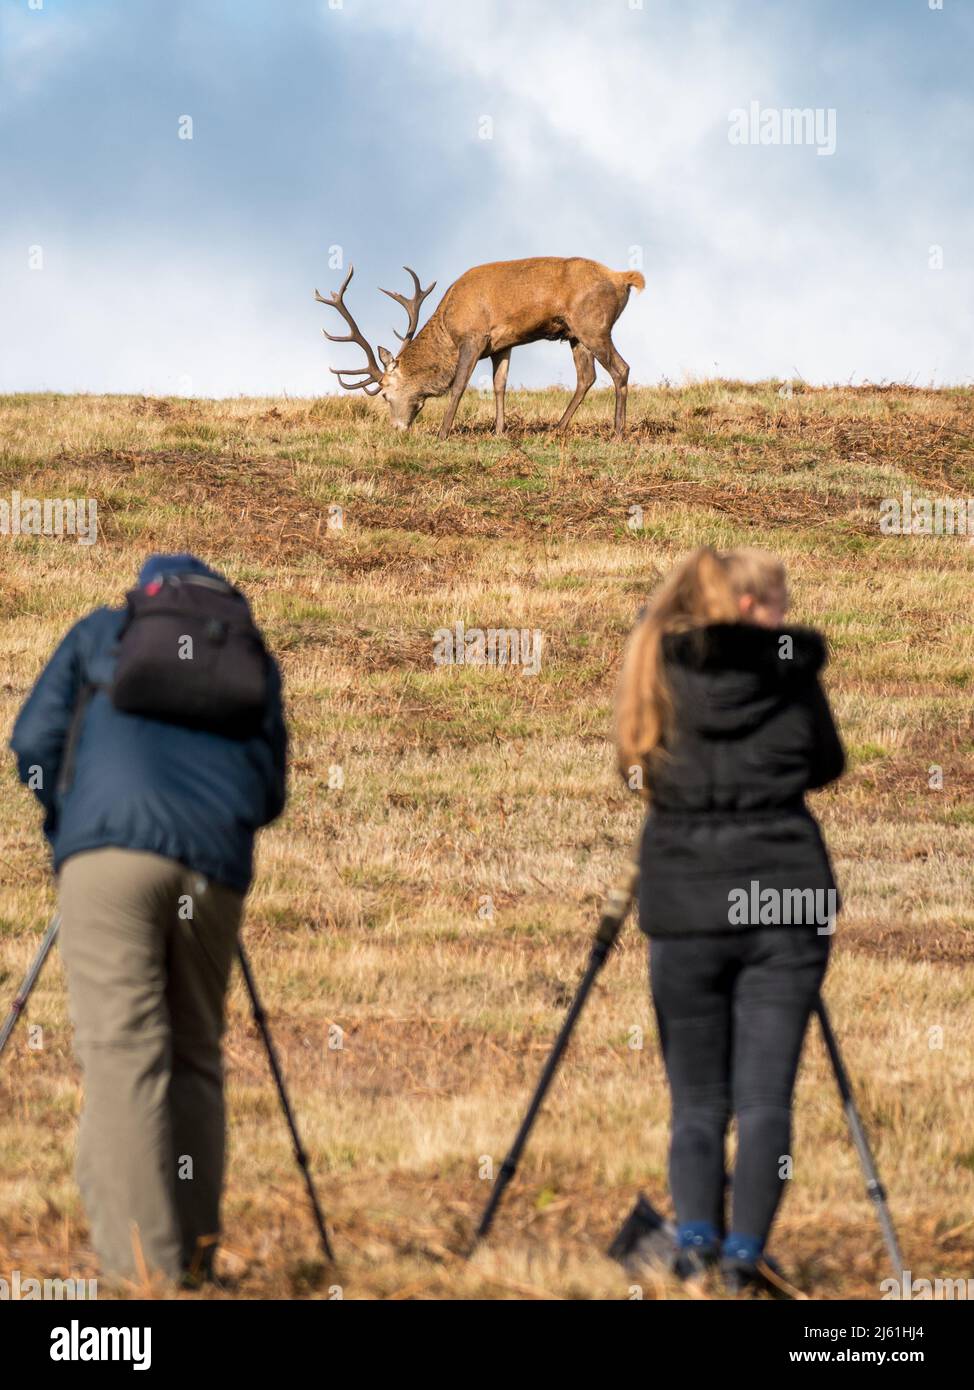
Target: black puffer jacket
{"x":752,"y":732}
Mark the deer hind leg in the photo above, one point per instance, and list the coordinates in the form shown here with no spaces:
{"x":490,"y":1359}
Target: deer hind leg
{"x":466,"y":361}
{"x":605,"y":352}
{"x":585,"y":371}
{"x":500,"y":361}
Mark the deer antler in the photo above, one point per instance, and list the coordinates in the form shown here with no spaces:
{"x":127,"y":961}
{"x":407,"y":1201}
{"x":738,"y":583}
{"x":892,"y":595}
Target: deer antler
{"x":412,"y":306}
{"x":372,"y":372}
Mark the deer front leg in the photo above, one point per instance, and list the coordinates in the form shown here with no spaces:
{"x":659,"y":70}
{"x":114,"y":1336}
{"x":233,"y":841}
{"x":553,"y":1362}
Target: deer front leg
{"x":467,"y":360}
{"x":500,"y":361}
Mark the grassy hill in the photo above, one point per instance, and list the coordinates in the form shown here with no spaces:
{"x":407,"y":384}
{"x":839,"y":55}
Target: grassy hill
{"x":438,"y":905}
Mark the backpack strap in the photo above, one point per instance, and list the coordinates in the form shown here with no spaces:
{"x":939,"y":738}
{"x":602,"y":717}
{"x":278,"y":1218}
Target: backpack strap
{"x":66,"y":771}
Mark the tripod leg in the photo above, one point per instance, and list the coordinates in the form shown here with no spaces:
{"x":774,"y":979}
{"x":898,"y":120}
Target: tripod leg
{"x":30,"y":980}
{"x":874,"y":1186}
{"x":614,"y":913}
{"x":260,"y":1018}
{"x":509,"y":1167}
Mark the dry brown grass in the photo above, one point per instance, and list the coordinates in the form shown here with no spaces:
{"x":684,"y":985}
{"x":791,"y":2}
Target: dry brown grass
{"x":466,"y":784}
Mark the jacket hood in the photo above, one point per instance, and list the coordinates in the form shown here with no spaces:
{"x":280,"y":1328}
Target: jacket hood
{"x":728,"y":678}
{"x":158,"y":566}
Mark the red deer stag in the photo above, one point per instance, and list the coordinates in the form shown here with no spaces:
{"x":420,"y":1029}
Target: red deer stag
{"x":487,"y":312}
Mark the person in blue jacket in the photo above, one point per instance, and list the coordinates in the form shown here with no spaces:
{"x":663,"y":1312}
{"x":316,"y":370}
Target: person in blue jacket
{"x":151,"y":826}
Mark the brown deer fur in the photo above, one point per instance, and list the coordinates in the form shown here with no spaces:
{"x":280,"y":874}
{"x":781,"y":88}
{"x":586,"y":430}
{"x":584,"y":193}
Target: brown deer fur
{"x":487,"y":312}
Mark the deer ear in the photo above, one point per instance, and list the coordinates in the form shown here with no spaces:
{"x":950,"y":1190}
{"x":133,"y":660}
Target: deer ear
{"x":386,"y":358}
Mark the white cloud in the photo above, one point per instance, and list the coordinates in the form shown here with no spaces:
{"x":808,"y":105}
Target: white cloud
{"x":610,"y":131}
{"x":34,"y":44}
{"x":145,"y":325}
{"x":766,"y":263}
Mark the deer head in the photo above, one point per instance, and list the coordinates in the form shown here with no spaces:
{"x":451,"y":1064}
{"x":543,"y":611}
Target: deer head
{"x":405,"y":399}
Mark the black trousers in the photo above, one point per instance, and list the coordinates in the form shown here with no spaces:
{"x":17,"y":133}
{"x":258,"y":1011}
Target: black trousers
{"x":732,"y":1010}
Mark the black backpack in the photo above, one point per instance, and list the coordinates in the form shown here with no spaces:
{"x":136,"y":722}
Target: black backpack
{"x":190,"y":653}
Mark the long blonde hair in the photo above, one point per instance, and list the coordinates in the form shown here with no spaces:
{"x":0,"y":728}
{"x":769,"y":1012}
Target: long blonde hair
{"x":705,"y":588}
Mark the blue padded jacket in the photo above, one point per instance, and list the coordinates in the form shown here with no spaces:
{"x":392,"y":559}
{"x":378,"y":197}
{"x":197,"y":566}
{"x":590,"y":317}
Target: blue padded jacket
{"x":136,"y":783}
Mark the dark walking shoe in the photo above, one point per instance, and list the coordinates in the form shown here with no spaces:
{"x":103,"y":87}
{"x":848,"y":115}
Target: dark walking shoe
{"x":760,"y":1276}
{"x":198,"y":1268}
{"x":695,"y":1261}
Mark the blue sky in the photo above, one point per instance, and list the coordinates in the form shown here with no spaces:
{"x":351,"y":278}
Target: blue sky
{"x":188,"y":266}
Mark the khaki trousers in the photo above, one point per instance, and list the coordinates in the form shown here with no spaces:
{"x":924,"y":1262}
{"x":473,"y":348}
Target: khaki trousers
{"x":148,"y":945}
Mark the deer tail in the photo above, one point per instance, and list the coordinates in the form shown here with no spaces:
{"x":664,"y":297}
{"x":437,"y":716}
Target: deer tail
{"x":634,"y":278}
